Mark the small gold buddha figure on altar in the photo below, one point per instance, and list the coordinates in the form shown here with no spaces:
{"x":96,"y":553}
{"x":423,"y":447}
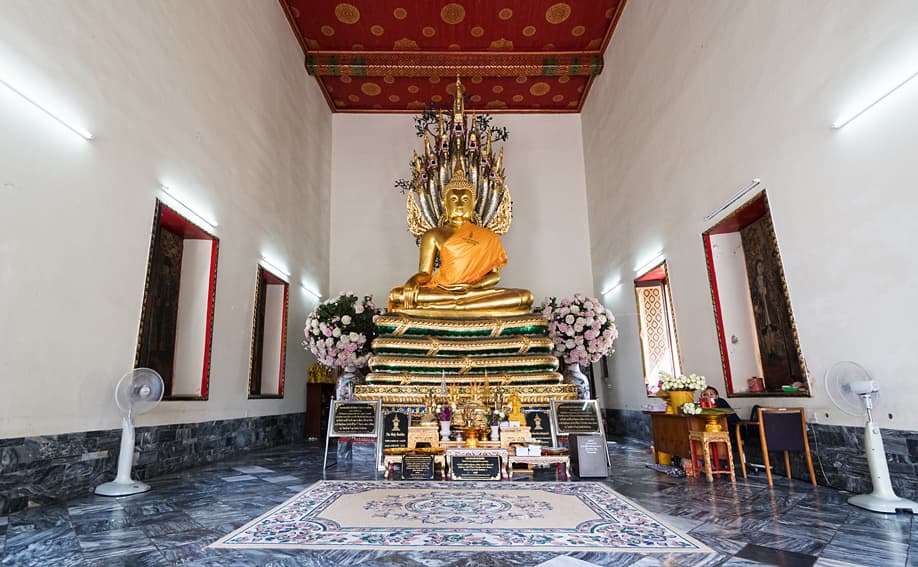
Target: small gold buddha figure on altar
{"x":471,"y":258}
{"x":516,"y":409}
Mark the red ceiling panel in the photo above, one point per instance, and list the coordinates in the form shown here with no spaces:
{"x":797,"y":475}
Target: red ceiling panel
{"x":521,"y":55}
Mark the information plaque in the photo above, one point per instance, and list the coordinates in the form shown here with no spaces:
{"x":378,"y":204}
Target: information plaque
{"x":539,"y":423}
{"x":395,"y":430}
{"x":463,"y":467}
{"x":349,"y":418}
{"x":578,"y":417}
{"x":353,"y":419}
{"x":417,"y":467}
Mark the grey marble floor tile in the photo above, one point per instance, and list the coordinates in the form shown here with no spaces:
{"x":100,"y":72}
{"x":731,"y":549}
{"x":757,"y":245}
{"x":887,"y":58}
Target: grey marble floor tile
{"x":54,"y":546}
{"x":101,"y":521}
{"x":253,"y":469}
{"x":282,"y":479}
{"x":114,"y":544}
{"x":169,"y":523}
{"x":41,"y":518}
{"x":565,"y":561}
{"x":239,"y":478}
{"x":866,"y":551}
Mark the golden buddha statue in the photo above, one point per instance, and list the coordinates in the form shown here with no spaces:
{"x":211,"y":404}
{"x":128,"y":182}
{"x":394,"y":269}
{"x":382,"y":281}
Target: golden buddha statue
{"x":471,"y":258}
{"x":516,"y":408}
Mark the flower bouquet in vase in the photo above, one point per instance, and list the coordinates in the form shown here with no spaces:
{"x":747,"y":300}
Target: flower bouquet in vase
{"x":583,"y":331}
{"x":445,"y":415}
{"x":495,"y":416}
{"x":339,"y":332}
{"x":680,"y":390}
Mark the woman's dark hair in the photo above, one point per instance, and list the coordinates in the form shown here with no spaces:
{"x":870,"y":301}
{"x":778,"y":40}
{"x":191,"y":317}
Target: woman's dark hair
{"x":716,"y":393}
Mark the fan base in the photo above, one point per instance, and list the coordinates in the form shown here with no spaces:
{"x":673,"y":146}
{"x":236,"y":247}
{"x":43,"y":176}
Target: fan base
{"x":115,"y":488}
{"x":883,"y":505}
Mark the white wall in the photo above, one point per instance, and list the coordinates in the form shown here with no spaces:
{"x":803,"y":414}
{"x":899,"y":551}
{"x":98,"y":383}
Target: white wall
{"x":698,"y":98}
{"x":209,"y":97}
{"x":547,"y":245}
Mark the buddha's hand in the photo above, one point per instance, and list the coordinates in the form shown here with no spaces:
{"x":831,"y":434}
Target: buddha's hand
{"x":456,"y":288}
{"x":417,"y":280}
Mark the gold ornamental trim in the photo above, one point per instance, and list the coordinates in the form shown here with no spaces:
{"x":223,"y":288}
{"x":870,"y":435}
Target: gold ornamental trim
{"x":408,"y":379}
{"x":465,"y":364}
{"x":432,"y":346}
{"x":404,"y":323}
{"x":530,"y":395}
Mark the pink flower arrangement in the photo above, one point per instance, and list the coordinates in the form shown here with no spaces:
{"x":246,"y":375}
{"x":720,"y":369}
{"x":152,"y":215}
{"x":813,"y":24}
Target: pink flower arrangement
{"x":339,"y":331}
{"x":581,"y":328}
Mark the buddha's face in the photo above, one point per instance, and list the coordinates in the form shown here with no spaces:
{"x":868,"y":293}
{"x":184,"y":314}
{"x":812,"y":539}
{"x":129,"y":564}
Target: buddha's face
{"x":459,"y":203}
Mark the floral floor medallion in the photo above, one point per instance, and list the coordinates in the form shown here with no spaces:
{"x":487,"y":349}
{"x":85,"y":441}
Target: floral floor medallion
{"x":518,"y":516}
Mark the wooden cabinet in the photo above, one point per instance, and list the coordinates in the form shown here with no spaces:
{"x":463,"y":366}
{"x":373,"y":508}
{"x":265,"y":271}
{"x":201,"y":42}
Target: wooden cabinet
{"x":318,"y":400}
{"x":671,"y":433}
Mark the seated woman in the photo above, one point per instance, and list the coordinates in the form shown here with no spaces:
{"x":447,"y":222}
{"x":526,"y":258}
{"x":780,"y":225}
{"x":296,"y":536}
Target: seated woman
{"x":713,"y":396}
{"x":471,"y":257}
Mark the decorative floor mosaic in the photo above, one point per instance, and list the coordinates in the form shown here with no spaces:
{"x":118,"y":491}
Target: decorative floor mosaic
{"x":495,"y":516}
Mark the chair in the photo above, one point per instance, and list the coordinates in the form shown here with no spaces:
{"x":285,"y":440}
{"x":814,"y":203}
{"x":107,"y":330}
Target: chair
{"x":780,"y":429}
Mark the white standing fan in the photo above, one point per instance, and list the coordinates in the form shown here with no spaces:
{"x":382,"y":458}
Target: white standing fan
{"x":851,"y":388}
{"x":137,"y":392}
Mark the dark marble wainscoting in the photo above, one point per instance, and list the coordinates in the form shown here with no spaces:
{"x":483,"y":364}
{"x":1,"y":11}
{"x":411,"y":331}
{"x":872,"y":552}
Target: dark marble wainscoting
{"x":838,"y":453}
{"x":842,"y":455}
{"x":38,"y":470}
{"x":628,"y":424}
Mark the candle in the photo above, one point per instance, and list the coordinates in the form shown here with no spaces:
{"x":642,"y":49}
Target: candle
{"x":443,"y":382}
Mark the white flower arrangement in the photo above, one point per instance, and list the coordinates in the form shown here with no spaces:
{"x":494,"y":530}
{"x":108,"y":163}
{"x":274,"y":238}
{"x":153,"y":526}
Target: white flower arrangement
{"x":340,"y":329}
{"x":682,"y":382}
{"x":581,"y":328}
{"x":691,"y":408}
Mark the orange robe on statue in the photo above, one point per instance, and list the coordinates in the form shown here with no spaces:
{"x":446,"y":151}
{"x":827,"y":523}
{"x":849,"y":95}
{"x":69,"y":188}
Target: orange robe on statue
{"x":468,"y":255}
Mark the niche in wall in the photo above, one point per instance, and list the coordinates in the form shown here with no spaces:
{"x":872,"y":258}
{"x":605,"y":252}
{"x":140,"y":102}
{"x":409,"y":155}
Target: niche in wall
{"x":656,"y":326}
{"x":269,"y":336}
{"x":176,"y":322}
{"x":758,"y":340}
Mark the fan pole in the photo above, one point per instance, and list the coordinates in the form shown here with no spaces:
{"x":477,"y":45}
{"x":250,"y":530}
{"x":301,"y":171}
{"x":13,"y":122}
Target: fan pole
{"x":883,"y":498}
{"x":123,"y":485}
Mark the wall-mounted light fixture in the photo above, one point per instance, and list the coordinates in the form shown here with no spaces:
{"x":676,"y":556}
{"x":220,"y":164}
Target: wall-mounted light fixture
{"x":186,"y":211}
{"x":612,"y":288}
{"x":273,"y":267}
{"x":657,"y":259}
{"x":78,"y":130}
{"x":736,"y":197}
{"x":845,"y":119}
{"x":311,"y":292}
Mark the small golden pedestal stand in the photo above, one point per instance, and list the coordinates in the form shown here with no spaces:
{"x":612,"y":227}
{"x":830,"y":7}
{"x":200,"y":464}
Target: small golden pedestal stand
{"x":473,"y":434}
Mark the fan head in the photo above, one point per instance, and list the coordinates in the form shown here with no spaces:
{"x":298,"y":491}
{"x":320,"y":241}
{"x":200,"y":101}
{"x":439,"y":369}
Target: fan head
{"x":846,"y":382}
{"x":139,"y":391}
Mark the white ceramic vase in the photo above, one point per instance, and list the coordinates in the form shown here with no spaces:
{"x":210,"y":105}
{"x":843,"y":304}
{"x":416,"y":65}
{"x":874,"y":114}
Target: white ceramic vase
{"x":344,"y":388}
{"x":574,"y":375}
{"x":444,"y":430}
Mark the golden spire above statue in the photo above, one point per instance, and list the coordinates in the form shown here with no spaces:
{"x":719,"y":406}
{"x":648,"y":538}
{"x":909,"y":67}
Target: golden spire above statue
{"x":456,"y":231}
{"x":458,"y":146}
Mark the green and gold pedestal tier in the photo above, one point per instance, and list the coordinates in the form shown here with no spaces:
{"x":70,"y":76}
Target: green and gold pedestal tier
{"x":415,"y":357}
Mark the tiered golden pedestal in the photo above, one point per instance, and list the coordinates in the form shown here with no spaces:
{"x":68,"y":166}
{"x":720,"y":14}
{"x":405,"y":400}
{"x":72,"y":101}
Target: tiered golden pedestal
{"x":418,"y":357}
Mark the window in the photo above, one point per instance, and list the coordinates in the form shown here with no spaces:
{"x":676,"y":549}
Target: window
{"x":269,"y":336}
{"x":755,"y":326}
{"x":657,"y":326}
{"x":176,"y":323}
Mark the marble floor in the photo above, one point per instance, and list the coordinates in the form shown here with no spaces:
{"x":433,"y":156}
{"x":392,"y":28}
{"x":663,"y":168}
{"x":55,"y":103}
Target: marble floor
{"x":748,"y":523}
